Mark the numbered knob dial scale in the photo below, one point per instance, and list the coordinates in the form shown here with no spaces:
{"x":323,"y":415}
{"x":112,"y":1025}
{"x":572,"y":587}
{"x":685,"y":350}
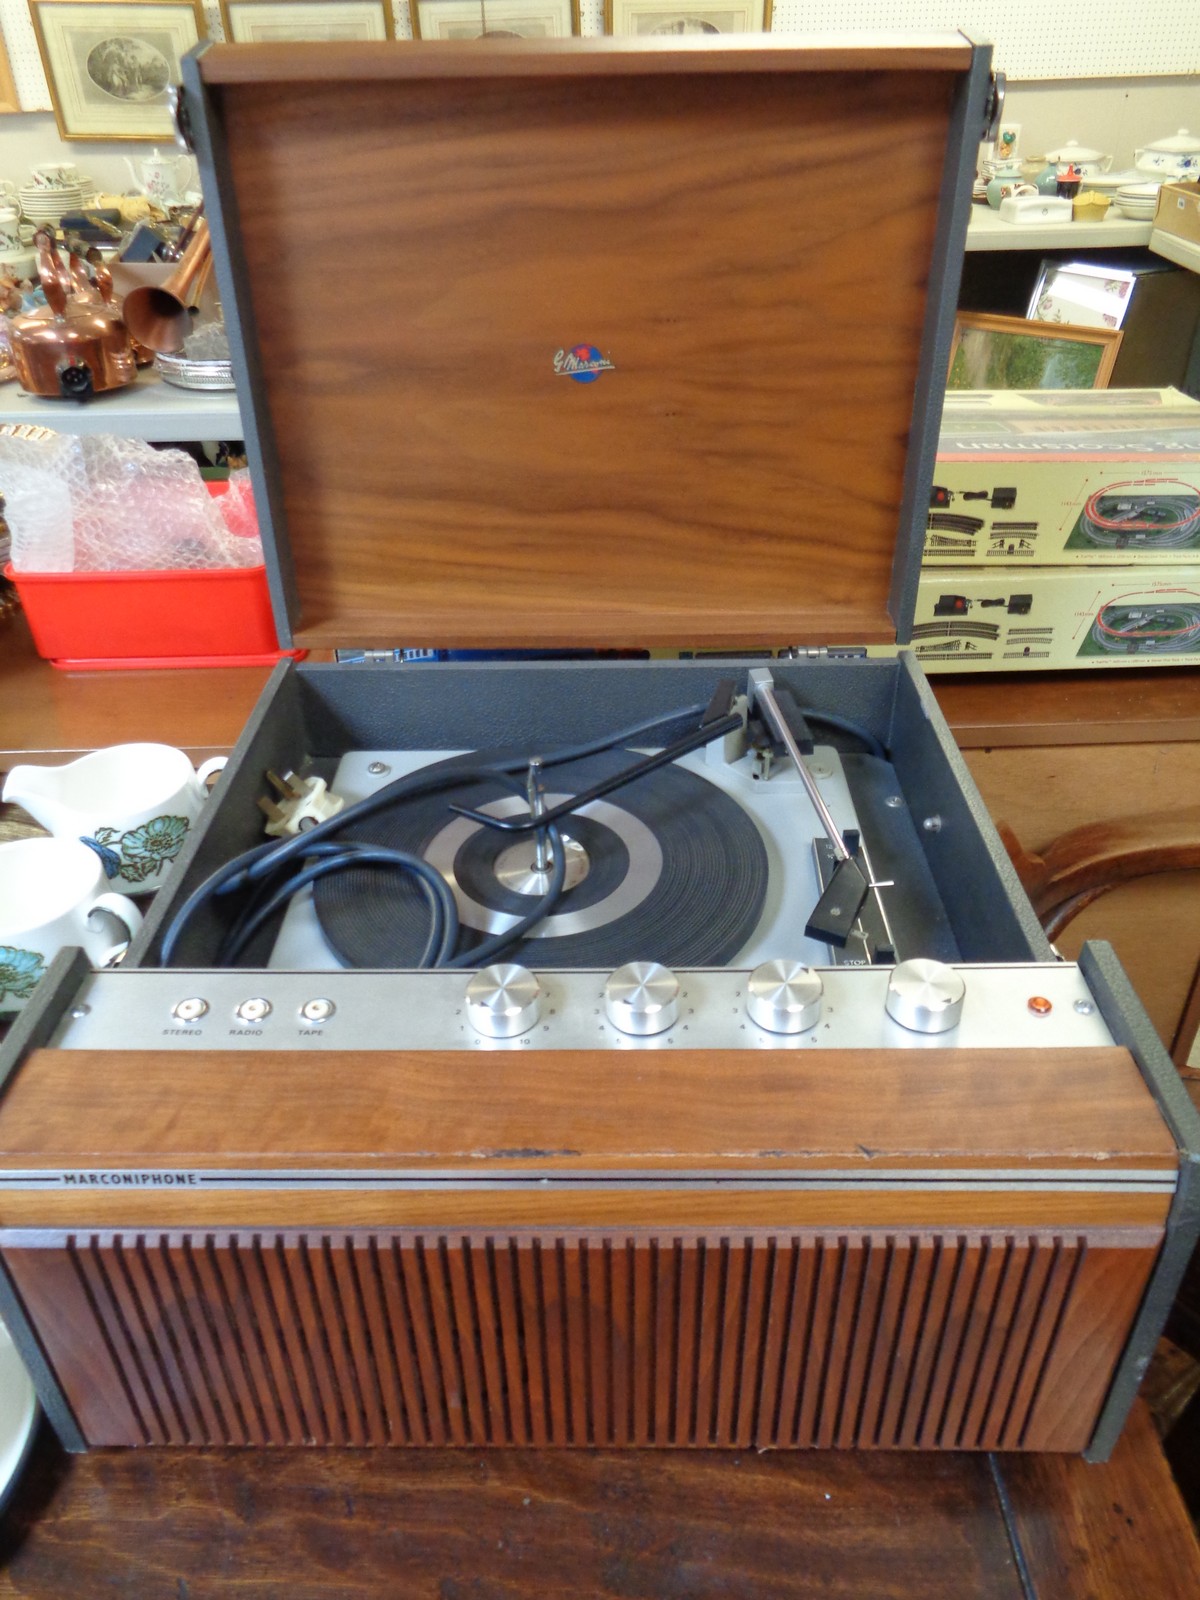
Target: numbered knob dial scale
{"x":503,"y":1001}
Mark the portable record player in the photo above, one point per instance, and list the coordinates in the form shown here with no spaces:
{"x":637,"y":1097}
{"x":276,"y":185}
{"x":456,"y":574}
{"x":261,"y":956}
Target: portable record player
{"x":648,"y":1052}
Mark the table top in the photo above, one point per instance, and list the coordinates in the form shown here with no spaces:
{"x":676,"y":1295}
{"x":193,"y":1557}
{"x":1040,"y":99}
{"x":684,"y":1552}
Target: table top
{"x":45,"y":712}
{"x":527,"y":1524}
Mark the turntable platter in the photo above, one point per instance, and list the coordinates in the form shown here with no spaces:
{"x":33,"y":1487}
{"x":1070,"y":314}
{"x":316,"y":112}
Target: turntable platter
{"x":676,"y":872}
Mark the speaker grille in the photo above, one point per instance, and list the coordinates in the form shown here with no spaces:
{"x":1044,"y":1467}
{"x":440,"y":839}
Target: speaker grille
{"x":861,"y":1338}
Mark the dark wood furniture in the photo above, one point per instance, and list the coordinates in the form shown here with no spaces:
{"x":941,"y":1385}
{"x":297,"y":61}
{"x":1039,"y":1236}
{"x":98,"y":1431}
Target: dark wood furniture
{"x":530,"y":1525}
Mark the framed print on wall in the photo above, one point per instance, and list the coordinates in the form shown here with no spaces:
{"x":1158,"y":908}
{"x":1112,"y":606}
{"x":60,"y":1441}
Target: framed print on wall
{"x":110,"y":63}
{"x":494,"y":19}
{"x":9,"y":99}
{"x":667,"y":20}
{"x":267,"y":21}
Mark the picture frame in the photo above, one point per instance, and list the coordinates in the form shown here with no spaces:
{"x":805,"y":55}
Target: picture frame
{"x":664,"y":19}
{"x":479,"y":19}
{"x":10,"y":100}
{"x":992,"y":352}
{"x":110,"y":63}
{"x":1082,"y":295}
{"x":269,"y":21}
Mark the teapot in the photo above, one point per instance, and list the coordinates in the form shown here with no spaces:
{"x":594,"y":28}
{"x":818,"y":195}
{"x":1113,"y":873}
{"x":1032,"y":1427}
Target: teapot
{"x":76,"y":345}
{"x":160,"y":179}
{"x":1177,"y":156}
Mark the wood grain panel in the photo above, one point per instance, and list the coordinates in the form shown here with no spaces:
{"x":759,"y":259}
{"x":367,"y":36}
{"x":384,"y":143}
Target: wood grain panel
{"x":746,"y":1339}
{"x":442,"y":481}
{"x":586,"y":57}
{"x":775,"y":1110}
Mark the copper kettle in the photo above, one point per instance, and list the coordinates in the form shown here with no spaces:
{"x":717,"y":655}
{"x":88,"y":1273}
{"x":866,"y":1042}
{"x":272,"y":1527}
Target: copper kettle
{"x":76,"y":345}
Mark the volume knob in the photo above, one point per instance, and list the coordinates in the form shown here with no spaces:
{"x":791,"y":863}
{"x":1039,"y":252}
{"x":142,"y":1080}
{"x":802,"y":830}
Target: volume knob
{"x":642,"y":998}
{"x":926,"y":996}
{"x":784,"y":997}
{"x":503,"y":1001}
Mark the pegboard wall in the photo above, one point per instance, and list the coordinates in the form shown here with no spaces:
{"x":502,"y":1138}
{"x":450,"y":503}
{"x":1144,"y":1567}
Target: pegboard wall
{"x":1068,"y":39}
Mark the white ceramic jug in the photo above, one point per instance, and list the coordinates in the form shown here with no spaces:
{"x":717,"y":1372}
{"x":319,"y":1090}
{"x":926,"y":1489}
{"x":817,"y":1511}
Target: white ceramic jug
{"x":52,"y":896}
{"x":134,"y":804}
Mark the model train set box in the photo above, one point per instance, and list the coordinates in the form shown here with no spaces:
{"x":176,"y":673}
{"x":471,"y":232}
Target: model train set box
{"x":633,"y":1052}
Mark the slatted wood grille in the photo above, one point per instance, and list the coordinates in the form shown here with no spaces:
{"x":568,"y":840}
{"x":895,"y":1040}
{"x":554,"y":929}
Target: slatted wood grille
{"x":858,"y":1338}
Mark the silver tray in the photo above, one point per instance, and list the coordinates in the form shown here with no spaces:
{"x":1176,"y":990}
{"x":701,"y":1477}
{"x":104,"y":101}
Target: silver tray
{"x":185,"y":374}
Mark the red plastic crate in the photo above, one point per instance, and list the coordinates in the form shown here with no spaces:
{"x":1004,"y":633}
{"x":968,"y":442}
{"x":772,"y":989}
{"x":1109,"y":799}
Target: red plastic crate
{"x":97,"y":620}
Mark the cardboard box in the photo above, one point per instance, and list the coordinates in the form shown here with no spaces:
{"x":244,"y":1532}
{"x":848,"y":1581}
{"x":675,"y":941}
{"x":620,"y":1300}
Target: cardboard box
{"x":1096,"y":478}
{"x":1178,"y":211}
{"x":1047,"y":619}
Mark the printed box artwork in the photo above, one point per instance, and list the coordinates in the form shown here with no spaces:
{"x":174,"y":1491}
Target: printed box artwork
{"x":1051,"y":618}
{"x":1097,"y":478}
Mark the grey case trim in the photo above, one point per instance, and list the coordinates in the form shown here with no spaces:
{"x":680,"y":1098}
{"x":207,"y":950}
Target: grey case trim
{"x":230,"y":821}
{"x":216,"y":182}
{"x":36,"y":1023}
{"x":207,"y":134}
{"x":29,"y":1032}
{"x":945,"y":272}
{"x":1131,"y":1027}
{"x":313,"y":712}
{"x":1003,"y":925}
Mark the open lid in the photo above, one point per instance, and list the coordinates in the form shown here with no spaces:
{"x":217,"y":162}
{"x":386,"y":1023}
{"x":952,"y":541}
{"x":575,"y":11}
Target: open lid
{"x":591,"y":342}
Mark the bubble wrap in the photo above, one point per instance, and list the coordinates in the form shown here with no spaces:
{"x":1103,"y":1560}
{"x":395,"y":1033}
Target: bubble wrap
{"x":209,"y":342}
{"x":102,"y":504}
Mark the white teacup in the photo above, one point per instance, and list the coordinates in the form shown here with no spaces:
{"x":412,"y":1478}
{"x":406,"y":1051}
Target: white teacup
{"x":10,"y":229}
{"x":133,"y":804}
{"x":56,"y":175}
{"x":52,"y":894}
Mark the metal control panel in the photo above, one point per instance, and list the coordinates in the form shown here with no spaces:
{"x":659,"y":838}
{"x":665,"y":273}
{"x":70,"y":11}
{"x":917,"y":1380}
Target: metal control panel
{"x":781,"y":1005}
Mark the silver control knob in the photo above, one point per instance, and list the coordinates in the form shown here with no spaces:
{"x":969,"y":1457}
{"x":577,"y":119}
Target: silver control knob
{"x":503,"y":1001}
{"x":784,"y":997}
{"x":642,"y":998}
{"x":926,"y":996}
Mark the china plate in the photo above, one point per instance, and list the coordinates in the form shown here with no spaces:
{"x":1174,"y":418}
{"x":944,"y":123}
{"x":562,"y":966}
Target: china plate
{"x":18,"y":1413}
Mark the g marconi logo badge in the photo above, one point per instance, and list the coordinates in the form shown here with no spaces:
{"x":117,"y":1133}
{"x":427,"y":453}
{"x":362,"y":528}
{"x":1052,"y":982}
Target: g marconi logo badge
{"x":583,"y":362}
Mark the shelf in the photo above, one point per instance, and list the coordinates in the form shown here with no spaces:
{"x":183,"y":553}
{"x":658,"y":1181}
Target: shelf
{"x":147,"y":409}
{"x":1181,"y":251}
{"x":986,"y":231}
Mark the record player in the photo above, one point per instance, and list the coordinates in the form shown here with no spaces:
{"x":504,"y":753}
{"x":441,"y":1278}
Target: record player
{"x":651,"y":1051}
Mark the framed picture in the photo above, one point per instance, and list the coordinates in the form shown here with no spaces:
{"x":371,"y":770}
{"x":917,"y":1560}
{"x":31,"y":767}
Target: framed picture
{"x":1014,"y":353}
{"x":109,"y":65}
{"x":494,"y":19}
{"x":266,"y":21}
{"x":9,"y":99}
{"x":650,"y":17}
{"x":1082,"y":295}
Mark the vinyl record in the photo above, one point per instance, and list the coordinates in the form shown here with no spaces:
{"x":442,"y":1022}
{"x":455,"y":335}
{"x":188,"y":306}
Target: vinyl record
{"x":675,"y":872}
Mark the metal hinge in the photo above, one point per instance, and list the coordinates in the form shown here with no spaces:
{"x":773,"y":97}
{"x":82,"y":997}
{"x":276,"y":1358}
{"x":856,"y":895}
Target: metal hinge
{"x":993,"y":107}
{"x":180,"y":119}
{"x":368,"y":658}
{"x":824,"y":652}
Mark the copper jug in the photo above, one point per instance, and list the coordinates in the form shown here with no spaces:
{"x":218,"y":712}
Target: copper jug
{"x":76,"y":345}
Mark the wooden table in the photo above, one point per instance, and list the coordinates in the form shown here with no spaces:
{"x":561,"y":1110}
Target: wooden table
{"x":319,"y":1525}
{"x":468,"y":1525}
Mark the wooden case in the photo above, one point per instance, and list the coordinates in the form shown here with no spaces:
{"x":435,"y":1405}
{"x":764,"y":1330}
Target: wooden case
{"x":755,"y":247}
